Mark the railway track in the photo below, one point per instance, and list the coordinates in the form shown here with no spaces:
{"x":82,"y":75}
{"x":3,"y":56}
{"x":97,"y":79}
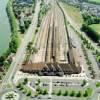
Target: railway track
{"x":52,"y":40}
{"x":56,"y":47}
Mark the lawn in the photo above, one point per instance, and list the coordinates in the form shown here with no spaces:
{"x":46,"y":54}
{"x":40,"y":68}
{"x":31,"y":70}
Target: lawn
{"x":74,"y":13}
{"x":95,"y":27}
{"x":97,"y":1}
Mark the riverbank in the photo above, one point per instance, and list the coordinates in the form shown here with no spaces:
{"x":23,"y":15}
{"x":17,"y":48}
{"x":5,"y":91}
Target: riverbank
{"x":15,"y":41}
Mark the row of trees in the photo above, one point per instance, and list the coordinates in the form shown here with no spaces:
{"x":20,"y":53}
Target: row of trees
{"x":89,"y":19}
{"x":86,"y":93}
{"x":24,"y":90}
{"x":43,"y":10}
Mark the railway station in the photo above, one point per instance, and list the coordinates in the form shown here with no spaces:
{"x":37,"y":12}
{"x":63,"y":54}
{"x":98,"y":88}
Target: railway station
{"x":56,"y":54}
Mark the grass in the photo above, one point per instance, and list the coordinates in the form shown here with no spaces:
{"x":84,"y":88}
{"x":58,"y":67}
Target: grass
{"x":97,"y":1}
{"x":98,"y":84}
{"x":74,"y":13}
{"x":89,"y":91}
{"x":95,"y":27}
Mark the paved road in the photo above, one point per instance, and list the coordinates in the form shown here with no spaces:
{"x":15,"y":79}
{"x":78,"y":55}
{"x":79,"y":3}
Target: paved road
{"x":20,"y":53}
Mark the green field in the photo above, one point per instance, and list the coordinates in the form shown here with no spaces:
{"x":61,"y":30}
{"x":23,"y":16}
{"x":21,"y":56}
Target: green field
{"x":97,"y":1}
{"x":73,"y":13}
{"x":95,"y":27}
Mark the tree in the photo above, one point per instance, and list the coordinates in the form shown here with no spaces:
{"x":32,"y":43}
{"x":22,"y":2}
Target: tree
{"x":14,"y":44}
{"x":10,"y":96}
{"x":72,"y":93}
{"x":65,"y":93}
{"x":84,"y":83}
{"x":2,"y":59}
{"x":27,"y":23}
{"x":59,"y":92}
{"x":29,"y":46}
{"x":29,"y":93}
{"x":38,"y":89}
{"x":22,"y":29}
{"x":39,"y":81}
{"x":45,"y":92}
{"x":19,"y":85}
{"x":85,"y":94}
{"x":25,"y":81}
{"x":6,"y":64}
{"x":79,"y":94}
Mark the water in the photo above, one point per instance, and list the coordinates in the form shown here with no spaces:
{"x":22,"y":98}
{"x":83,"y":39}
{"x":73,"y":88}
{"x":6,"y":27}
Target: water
{"x":4,"y":27}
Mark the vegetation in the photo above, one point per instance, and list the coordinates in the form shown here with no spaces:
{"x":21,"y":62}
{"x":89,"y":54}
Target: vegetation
{"x":43,"y":11}
{"x":79,"y":94}
{"x":88,"y":24}
{"x":84,"y":83}
{"x":65,"y":93}
{"x":91,"y":33}
{"x":30,"y":48}
{"x":89,"y":19}
{"x":25,"y":81}
{"x":72,"y":93}
{"x":23,"y":88}
{"x":98,"y":84}
{"x":59,"y":93}
{"x":10,"y":96}
{"x":29,"y":93}
{"x":85,"y":94}
{"x":95,"y":27}
{"x":94,"y":1}
{"x":45,"y":92}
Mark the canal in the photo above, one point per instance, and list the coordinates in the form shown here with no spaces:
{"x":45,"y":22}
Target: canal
{"x":5,"y":31}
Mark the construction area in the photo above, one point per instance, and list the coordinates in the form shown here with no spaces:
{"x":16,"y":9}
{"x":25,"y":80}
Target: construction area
{"x":56,"y":55}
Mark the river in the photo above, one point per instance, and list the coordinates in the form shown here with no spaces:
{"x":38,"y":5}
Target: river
{"x":5,"y":31}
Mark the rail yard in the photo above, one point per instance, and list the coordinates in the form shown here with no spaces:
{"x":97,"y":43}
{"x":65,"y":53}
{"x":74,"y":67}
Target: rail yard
{"x":56,"y":60}
{"x":56,"y":54}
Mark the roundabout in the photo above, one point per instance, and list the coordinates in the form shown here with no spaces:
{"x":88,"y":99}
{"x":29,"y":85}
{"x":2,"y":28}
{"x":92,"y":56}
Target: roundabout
{"x":10,"y":96}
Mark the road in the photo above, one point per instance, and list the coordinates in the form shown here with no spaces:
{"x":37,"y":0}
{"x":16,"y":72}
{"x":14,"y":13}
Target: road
{"x":21,"y":50}
{"x":77,"y":42}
